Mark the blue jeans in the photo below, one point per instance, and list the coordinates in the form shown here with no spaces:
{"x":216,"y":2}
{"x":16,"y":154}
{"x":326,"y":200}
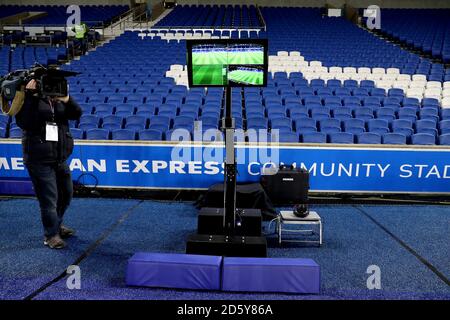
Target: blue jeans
{"x":54,"y":189}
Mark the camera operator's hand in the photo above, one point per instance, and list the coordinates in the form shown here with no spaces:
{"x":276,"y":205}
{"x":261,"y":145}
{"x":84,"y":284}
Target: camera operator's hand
{"x":32,"y":85}
{"x":63,"y":99}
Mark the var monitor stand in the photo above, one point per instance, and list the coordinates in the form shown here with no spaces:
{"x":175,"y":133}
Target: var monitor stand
{"x":227,"y":241}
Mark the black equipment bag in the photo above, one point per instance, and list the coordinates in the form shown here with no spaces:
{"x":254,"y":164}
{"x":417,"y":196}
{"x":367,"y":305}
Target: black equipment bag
{"x":288,"y":186}
{"x":248,"y":196}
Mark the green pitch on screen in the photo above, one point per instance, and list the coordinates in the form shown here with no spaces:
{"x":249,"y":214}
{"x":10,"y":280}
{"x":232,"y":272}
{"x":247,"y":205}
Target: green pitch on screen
{"x":211,"y":74}
{"x":247,"y":77}
{"x":230,"y":58}
{"x":208,"y":67}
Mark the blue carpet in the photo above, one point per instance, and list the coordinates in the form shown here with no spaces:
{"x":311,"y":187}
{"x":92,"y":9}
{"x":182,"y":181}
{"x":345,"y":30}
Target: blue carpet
{"x":25,"y":264}
{"x":352,"y":242}
{"x":424,"y":228}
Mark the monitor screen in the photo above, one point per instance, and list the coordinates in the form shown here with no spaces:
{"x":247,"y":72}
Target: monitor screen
{"x":227,"y":63}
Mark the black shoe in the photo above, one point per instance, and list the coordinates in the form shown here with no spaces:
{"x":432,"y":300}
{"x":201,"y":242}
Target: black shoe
{"x":66,"y":232}
{"x":54,"y":242}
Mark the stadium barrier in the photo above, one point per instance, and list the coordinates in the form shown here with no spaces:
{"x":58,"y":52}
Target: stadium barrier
{"x":166,"y":165}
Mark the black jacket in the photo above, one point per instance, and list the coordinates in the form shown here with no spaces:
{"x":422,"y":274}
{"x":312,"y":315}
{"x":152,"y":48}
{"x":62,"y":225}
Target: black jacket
{"x":32,"y":119}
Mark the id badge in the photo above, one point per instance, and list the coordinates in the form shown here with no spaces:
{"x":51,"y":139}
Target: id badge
{"x":51,"y":131}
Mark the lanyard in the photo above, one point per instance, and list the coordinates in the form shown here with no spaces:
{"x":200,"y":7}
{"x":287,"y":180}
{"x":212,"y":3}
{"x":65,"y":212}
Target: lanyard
{"x":52,"y":108}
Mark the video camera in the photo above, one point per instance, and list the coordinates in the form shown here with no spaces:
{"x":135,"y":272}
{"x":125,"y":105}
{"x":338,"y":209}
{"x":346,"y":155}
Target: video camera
{"x":50,"y":82}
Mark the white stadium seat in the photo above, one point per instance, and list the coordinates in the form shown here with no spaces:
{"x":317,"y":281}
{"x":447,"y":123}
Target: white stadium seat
{"x":419,"y":77}
{"x":434,"y":84}
{"x":178,"y":67}
{"x":445,"y":103}
{"x":349,"y":70}
{"x":404,"y":77}
{"x":335,"y":70}
{"x":390,"y":77}
{"x":315,"y":63}
{"x":378,"y":70}
{"x":393,"y":71}
{"x":363,"y":70}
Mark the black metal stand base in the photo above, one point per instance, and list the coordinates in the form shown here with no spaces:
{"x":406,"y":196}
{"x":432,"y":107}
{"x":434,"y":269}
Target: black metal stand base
{"x":248,"y":222}
{"x":228,"y":243}
{"x":221,"y":245}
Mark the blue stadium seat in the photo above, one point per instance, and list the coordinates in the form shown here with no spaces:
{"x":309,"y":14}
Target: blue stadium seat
{"x":430,"y":102}
{"x":392,"y":101}
{"x":368,"y":84}
{"x":330,"y":130}
{"x":15,"y":133}
{"x":368,"y":138}
{"x":123,"y":134}
{"x":89,"y":118}
{"x":353,"y":123}
{"x":423,"y":139}
{"x":281,"y":122}
{"x":342,"y":92}
{"x":77,"y":133}
{"x":341,"y":137}
{"x":429,"y":113}
{"x":135,"y":122}
{"x":394,"y":92}
{"x":314,"y":137}
{"x":4,"y":119}
{"x":364,"y":113}
{"x":408,"y":113}
{"x":372,"y":101}
{"x":444,"y":139}
{"x":180,"y":134}
{"x":329,"y":123}
{"x":151,"y":135}
{"x":145,"y":110}
{"x":105,"y":108}
{"x":385,"y":113}
{"x":351,"y":84}
{"x":377,"y":124}
{"x":445,"y":114}
{"x":355,"y":130}
{"x":257,"y":123}
{"x":333,"y":83}
{"x":87,"y":126}
{"x":289,"y":137}
{"x":401,"y":123}
{"x":97,"y":134}
{"x":426,"y":126}
{"x":444,"y":126}
{"x":394,"y":138}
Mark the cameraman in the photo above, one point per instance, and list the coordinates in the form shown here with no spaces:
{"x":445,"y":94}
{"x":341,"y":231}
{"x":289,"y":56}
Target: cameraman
{"x":47,"y":143}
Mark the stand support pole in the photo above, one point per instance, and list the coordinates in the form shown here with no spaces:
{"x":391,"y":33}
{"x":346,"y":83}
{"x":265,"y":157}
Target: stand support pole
{"x":228,"y":126}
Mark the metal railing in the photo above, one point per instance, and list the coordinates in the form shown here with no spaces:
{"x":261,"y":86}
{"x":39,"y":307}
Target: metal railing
{"x":261,"y":18}
{"x":138,"y":13}
{"x":203,"y":29}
